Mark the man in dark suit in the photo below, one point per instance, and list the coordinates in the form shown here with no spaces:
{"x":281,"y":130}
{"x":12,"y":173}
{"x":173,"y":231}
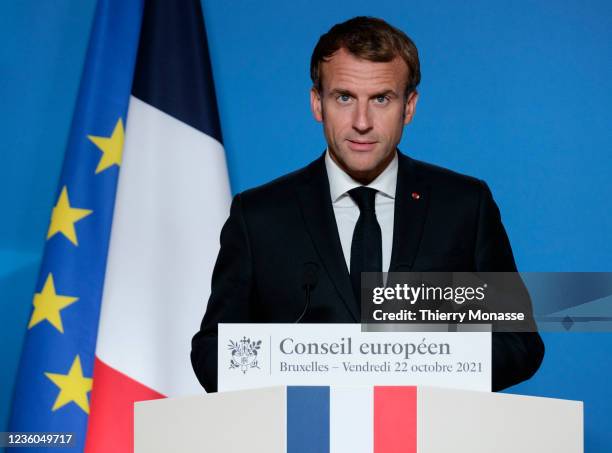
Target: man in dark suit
{"x":362,"y":206}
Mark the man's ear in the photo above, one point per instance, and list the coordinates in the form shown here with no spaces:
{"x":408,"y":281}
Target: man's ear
{"x":315,"y":104}
{"x":410,"y":106}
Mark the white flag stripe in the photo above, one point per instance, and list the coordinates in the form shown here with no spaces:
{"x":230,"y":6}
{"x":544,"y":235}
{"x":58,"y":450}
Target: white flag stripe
{"x":351,"y":419}
{"x":172,"y":199}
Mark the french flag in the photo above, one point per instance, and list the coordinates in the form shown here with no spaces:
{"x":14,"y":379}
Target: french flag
{"x":352,"y":419}
{"x":172,"y":198}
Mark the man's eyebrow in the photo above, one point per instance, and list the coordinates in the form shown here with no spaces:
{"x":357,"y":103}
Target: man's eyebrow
{"x":389,"y":92}
{"x":342,"y":92}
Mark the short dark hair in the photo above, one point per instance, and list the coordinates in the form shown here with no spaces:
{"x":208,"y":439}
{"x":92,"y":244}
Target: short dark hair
{"x":369,"y":38}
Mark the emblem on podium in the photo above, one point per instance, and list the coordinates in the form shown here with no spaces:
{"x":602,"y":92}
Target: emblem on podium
{"x":244,"y":354}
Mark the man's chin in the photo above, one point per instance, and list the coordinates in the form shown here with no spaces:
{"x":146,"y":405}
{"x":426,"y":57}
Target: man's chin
{"x":362,"y":166}
{"x":361,"y":160}
{"x":365,"y":170}
{"x":362,"y":173}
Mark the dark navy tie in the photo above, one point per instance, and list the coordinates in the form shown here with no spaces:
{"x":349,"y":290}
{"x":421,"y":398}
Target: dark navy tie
{"x":366,"y":248}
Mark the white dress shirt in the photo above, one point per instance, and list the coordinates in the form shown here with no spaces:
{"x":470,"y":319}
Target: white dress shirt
{"x":347,"y":211}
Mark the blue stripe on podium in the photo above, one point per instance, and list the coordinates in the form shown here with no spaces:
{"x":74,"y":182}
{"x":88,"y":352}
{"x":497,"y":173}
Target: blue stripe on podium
{"x":307,"y":419}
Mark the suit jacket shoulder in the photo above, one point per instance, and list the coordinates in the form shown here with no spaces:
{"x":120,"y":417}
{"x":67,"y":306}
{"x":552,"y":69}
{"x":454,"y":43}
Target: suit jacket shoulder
{"x":277,"y":193}
{"x":448,"y":185}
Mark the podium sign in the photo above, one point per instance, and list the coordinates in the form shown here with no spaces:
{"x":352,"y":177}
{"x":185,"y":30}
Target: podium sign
{"x":265,"y":355}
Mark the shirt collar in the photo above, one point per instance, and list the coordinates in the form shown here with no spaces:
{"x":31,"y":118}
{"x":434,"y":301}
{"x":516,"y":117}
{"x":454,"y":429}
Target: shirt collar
{"x":340,"y":182}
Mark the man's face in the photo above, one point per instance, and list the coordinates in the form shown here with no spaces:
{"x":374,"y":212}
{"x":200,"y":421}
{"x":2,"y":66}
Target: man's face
{"x":363,"y":110}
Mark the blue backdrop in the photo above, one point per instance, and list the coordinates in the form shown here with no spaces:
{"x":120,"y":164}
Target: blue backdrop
{"x":517,"y":93}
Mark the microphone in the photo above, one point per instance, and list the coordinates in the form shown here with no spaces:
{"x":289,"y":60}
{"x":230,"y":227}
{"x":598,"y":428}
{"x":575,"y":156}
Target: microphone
{"x":310,"y":277}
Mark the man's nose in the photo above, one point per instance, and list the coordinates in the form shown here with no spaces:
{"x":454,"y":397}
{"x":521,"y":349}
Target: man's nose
{"x":362,"y":121}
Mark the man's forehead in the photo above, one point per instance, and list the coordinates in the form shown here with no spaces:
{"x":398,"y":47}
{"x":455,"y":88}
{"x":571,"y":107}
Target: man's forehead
{"x":346,"y":71}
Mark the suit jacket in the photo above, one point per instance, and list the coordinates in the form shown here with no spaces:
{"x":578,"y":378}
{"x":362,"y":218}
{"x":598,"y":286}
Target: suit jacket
{"x":274,"y":229}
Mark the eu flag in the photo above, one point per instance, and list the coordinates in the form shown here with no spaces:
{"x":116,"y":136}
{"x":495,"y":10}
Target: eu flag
{"x":55,"y":373}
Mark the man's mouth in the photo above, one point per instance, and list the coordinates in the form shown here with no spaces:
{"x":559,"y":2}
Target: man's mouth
{"x":361,"y":145}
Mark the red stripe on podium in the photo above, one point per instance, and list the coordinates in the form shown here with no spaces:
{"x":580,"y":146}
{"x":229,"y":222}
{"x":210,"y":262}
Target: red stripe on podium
{"x":395,"y":419}
{"x":111,"y":419}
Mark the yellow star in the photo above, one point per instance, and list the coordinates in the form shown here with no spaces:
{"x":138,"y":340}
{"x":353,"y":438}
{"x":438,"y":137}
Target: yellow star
{"x":47,"y":305}
{"x":64,"y":217}
{"x":111,"y":147}
{"x":73,"y":387}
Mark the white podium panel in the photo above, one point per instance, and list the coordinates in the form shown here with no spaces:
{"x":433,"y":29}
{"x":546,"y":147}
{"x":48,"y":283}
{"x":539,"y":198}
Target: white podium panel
{"x":217,"y":422}
{"x":475,"y":422}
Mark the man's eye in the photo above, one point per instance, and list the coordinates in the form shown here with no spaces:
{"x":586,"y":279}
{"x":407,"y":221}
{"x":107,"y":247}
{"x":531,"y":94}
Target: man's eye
{"x":382,"y":99}
{"x":344,"y":98}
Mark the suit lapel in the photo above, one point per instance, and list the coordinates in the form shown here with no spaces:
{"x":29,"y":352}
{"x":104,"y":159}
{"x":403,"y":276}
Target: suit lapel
{"x":315,"y":202}
{"x":411,"y":204}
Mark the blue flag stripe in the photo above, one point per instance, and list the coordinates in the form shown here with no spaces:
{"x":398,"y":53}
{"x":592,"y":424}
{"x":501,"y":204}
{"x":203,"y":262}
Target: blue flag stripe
{"x":167,"y":58}
{"x":308,"y":419}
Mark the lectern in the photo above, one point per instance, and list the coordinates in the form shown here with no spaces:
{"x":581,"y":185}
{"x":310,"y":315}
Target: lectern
{"x":371,"y":419}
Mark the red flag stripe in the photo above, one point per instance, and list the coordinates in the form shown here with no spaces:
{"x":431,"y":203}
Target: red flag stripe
{"x":111,"y":419}
{"x":395,"y":419}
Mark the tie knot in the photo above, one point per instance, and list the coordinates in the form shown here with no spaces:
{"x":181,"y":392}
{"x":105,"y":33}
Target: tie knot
{"x":364,"y":197}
